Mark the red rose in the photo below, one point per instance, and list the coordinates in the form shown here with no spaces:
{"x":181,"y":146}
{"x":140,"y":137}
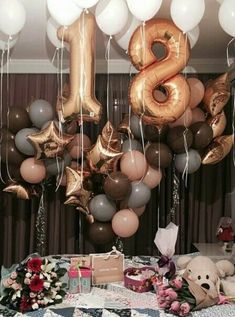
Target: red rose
{"x":34,"y":265}
{"x":36,"y":284}
{"x":25,"y":304}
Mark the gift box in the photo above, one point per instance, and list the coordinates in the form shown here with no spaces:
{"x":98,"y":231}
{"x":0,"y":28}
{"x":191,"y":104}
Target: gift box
{"x":139,"y":279}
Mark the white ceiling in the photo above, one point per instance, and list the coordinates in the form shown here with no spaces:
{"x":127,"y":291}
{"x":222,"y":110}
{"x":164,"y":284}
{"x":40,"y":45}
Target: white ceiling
{"x":33,"y":52}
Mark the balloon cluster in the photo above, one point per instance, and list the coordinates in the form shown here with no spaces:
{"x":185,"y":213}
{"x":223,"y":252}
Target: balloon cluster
{"x":196,"y":137}
{"x":114,"y":186}
{"x":12,"y":20}
{"x":33,"y":147}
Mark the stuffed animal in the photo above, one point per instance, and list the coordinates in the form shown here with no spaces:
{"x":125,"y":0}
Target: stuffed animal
{"x":206,"y":273}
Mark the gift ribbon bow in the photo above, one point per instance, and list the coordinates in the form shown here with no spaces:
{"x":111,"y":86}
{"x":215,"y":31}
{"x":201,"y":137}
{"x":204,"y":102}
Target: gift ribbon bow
{"x":164,"y":261}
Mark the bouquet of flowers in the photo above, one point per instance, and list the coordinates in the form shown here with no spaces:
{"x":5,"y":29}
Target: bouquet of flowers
{"x":34,"y":284}
{"x":176,"y":297}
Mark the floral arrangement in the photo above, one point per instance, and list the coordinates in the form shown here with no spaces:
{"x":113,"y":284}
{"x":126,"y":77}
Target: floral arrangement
{"x":176,"y":297}
{"x":34,"y":284}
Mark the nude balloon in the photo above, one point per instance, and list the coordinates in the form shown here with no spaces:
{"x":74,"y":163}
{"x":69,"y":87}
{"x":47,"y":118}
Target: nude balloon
{"x":184,"y":120}
{"x":125,"y":223}
{"x":32,"y":171}
{"x":134,"y":165}
{"x":153,"y":177}
{"x":75,"y":147}
{"x":197,"y":91}
{"x":139,"y":211}
{"x":198,"y":115}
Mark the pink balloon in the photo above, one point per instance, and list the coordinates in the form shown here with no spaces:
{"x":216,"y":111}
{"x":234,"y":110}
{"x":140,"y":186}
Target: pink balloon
{"x":198,"y":115}
{"x":75,"y":147}
{"x":184,"y":120}
{"x":159,"y":95}
{"x":125,"y":223}
{"x":139,"y":211}
{"x":197,"y":90}
{"x":134,"y":165}
{"x":32,"y":171}
{"x":153,"y":177}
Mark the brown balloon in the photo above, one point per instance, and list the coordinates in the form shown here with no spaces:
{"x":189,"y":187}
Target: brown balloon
{"x":6,"y":135}
{"x":81,"y":37}
{"x":178,"y":138}
{"x":217,"y":151}
{"x":202,"y":134}
{"x":155,"y":133}
{"x":117,"y":186}
{"x":48,"y":143}
{"x":217,"y":123}
{"x":101,"y":233}
{"x":10,"y":154}
{"x":154,"y":73}
{"x":217,"y":94}
{"x":158,"y":155}
{"x":18,"y":119}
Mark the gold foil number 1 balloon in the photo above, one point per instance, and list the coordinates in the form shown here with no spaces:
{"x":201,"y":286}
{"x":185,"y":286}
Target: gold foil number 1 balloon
{"x":81,"y":37}
{"x":154,"y":73}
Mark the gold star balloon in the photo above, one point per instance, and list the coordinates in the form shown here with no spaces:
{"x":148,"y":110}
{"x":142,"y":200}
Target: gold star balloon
{"x":103,"y":159}
{"x":22,"y":191}
{"x":217,"y":151}
{"x":74,"y":180}
{"x":49,"y":142}
{"x":124,"y":126}
{"x":110,"y":137}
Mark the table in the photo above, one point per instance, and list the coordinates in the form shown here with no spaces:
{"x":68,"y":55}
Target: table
{"x":215,"y":251}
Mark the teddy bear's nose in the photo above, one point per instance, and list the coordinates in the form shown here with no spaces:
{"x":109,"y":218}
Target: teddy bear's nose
{"x":205,"y":285}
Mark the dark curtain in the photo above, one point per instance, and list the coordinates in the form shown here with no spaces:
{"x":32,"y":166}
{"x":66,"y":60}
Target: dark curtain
{"x":203,"y":201}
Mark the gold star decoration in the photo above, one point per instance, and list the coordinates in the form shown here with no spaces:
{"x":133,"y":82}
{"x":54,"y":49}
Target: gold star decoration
{"x":49,"y":143}
{"x":124,"y":126}
{"x":74,"y":180}
{"x":103,"y":159}
{"x":110,"y":137}
{"x":22,"y":191}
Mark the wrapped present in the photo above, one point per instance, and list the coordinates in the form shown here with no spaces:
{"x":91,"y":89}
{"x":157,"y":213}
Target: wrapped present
{"x":107,"y":267}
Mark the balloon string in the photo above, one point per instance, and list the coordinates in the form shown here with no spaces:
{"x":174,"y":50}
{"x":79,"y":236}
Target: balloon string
{"x":107,"y":58}
{"x":8,"y":108}
{"x":185,"y":172}
{"x":227,"y":51}
{"x":142,"y":142}
{"x":82,"y":96}
{"x":60,"y":164}
{"x":1,"y":115}
{"x":129,"y":117}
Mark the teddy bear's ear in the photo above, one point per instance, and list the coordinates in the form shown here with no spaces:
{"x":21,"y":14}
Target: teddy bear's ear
{"x":225,"y":268}
{"x":183,"y":261}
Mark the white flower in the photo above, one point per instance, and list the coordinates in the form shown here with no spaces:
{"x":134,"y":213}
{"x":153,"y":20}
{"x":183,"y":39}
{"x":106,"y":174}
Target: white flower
{"x":58,"y":284}
{"x":48,"y":267}
{"x":46,"y":285}
{"x":35,"y":306}
{"x":28,"y":275}
{"x":18,"y":293}
{"x":53,"y":293}
{"x":58,"y":297}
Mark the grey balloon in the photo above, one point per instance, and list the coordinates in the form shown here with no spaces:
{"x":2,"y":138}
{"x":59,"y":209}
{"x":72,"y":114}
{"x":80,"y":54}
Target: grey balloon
{"x":57,"y":124}
{"x":40,"y":111}
{"x":54,"y":166}
{"x":22,"y":143}
{"x":129,"y":145}
{"x":102,"y":208}
{"x":135,"y":126}
{"x":140,"y":195}
{"x":194,"y":161}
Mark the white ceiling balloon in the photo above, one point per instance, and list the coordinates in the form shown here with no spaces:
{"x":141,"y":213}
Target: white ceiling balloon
{"x":64,"y":12}
{"x":86,"y":3}
{"x":227,"y":16}
{"x":144,"y":10}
